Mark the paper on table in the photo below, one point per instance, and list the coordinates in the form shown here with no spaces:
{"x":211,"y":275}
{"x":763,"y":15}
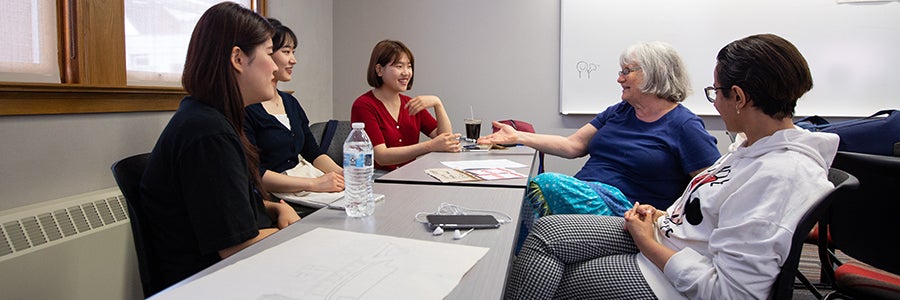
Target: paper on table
{"x":495,"y":173}
{"x":483,"y":164}
{"x":319,"y":200}
{"x":454,"y":175}
{"x":450,"y":175}
{"x":334,"y":264}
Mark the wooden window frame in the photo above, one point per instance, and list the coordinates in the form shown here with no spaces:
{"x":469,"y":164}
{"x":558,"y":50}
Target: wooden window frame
{"x":92,"y":68}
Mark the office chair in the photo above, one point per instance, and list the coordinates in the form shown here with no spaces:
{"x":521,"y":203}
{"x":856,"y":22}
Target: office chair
{"x":128,"y":172}
{"x":318,"y":129}
{"x":333,"y":146}
{"x":784,"y":283}
{"x":863,"y":228}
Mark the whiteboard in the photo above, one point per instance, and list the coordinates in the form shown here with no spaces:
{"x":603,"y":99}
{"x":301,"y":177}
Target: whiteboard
{"x":853,"y":50}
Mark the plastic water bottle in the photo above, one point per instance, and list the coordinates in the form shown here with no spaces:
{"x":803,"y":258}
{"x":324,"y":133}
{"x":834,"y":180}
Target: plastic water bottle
{"x":358,"y":168}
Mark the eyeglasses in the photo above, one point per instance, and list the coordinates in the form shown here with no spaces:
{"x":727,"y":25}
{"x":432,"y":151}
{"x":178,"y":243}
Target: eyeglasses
{"x":711,"y":93}
{"x":627,"y":71}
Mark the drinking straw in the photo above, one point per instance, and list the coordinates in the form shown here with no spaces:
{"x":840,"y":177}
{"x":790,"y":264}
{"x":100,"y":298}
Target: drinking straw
{"x":472,"y":112}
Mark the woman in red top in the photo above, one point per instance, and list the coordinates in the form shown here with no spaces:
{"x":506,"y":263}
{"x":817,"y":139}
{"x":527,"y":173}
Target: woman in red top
{"x":393,"y":120}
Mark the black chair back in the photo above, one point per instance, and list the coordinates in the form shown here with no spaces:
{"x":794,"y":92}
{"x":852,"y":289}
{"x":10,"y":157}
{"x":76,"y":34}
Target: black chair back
{"x":784,"y":283}
{"x":862,"y":227}
{"x":128,"y":172}
{"x":335,"y":145}
{"x":336,"y":148}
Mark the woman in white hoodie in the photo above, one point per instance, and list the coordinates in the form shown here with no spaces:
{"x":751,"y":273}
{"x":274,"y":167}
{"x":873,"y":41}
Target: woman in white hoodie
{"x":728,"y":234}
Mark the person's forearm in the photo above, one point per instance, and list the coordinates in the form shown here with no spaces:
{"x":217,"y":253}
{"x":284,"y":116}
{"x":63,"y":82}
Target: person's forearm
{"x":263,"y":233}
{"x":280,"y":183}
{"x":443,"y":121}
{"x":395,"y":155}
{"x":552,"y":144}
{"x":655,"y":252}
{"x":326,"y":164}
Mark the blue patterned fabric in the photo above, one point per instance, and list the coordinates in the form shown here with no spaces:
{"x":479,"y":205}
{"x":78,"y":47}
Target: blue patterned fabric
{"x":554,"y":193}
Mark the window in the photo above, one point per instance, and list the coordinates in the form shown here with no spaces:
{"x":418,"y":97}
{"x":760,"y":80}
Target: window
{"x":87,"y":45}
{"x":28,"y":36}
{"x":157,"y":33}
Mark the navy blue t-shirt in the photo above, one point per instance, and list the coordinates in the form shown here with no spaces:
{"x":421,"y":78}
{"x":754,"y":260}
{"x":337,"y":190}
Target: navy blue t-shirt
{"x":649,"y":162}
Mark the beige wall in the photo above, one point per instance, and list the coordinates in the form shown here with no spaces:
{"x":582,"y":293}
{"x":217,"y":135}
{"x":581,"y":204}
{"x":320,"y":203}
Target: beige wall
{"x":499,"y":57}
{"x":44,"y":158}
{"x":312,"y":82}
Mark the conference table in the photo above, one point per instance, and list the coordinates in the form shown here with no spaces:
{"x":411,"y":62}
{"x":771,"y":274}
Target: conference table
{"x":407,"y":195}
{"x":414,"y":172}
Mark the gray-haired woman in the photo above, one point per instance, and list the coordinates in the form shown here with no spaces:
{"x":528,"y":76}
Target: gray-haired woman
{"x":648,"y":146}
{"x":729,"y":233}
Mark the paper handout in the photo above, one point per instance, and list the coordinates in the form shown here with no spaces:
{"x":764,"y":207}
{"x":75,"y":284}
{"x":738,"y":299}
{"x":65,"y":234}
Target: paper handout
{"x":335,"y":264}
{"x":455,"y":175}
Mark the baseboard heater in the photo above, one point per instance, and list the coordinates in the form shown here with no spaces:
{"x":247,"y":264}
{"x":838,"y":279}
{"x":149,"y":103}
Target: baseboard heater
{"x":78,"y":247}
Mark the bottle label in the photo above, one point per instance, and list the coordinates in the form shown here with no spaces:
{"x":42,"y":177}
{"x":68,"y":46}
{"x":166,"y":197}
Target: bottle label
{"x":359,"y":160}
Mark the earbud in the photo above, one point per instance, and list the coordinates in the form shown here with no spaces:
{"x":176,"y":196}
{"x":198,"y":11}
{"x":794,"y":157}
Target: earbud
{"x":438,"y":231}
{"x":458,"y":235}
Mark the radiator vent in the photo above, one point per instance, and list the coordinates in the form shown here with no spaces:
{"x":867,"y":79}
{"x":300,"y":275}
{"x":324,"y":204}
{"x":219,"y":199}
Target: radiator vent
{"x":34,"y":227}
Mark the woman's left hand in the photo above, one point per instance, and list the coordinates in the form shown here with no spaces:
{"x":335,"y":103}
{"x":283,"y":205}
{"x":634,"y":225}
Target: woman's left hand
{"x":639,"y":221}
{"x":286,"y":215}
{"x":417,"y":104}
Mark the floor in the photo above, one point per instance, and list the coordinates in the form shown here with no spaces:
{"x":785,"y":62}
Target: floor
{"x":810,"y":267}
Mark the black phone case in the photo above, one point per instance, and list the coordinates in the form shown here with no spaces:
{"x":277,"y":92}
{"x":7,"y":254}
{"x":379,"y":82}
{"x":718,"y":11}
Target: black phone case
{"x":462,"y":221}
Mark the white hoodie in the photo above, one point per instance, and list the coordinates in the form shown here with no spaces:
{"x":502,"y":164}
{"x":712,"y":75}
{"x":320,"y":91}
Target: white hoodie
{"x":732,"y":226}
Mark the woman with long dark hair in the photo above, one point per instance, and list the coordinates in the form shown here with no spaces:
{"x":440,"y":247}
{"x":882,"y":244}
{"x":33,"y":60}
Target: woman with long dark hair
{"x":201,"y":191}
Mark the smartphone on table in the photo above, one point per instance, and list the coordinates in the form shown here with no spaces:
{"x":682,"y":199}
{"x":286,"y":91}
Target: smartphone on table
{"x":462,"y":221}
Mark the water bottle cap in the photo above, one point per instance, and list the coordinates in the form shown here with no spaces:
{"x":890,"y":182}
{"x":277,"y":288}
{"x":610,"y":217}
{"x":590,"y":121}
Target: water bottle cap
{"x":358,"y":125}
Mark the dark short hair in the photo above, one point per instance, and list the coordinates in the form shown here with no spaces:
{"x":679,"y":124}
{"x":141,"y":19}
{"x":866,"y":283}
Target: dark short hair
{"x":282,"y":35}
{"x":769,"y":69}
{"x":385,"y":53}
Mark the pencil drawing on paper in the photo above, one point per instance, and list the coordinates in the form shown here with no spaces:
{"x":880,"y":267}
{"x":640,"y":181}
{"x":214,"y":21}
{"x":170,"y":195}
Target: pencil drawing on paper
{"x":353,"y":280}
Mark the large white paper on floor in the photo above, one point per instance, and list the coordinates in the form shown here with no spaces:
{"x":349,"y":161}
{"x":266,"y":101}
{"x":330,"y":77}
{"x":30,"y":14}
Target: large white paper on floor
{"x":334,"y":264}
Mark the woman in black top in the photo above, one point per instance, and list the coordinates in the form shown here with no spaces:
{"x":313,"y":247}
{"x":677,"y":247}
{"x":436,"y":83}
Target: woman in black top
{"x":201,"y":190}
{"x":279,"y":129}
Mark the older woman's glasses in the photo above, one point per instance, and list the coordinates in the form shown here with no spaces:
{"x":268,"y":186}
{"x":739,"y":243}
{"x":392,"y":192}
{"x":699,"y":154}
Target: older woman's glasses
{"x":627,"y":71}
{"x":711,"y":93}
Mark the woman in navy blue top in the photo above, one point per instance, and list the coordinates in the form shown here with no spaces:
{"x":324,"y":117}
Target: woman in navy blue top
{"x":279,"y":128}
{"x":646,"y":147}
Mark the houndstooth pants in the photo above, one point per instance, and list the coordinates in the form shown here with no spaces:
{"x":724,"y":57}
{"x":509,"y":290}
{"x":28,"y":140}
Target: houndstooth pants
{"x":578,"y":257}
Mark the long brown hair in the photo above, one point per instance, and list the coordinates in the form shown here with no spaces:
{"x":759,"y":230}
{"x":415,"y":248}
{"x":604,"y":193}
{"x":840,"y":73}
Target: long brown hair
{"x":208,"y":74}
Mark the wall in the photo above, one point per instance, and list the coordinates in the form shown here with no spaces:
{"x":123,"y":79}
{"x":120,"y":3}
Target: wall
{"x":498,"y":57}
{"x":311,"y":21}
{"x":50,"y":157}
{"x":44,"y":158}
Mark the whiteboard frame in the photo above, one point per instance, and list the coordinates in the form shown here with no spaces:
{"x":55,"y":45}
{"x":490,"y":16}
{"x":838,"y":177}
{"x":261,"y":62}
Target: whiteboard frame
{"x":850,"y":47}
